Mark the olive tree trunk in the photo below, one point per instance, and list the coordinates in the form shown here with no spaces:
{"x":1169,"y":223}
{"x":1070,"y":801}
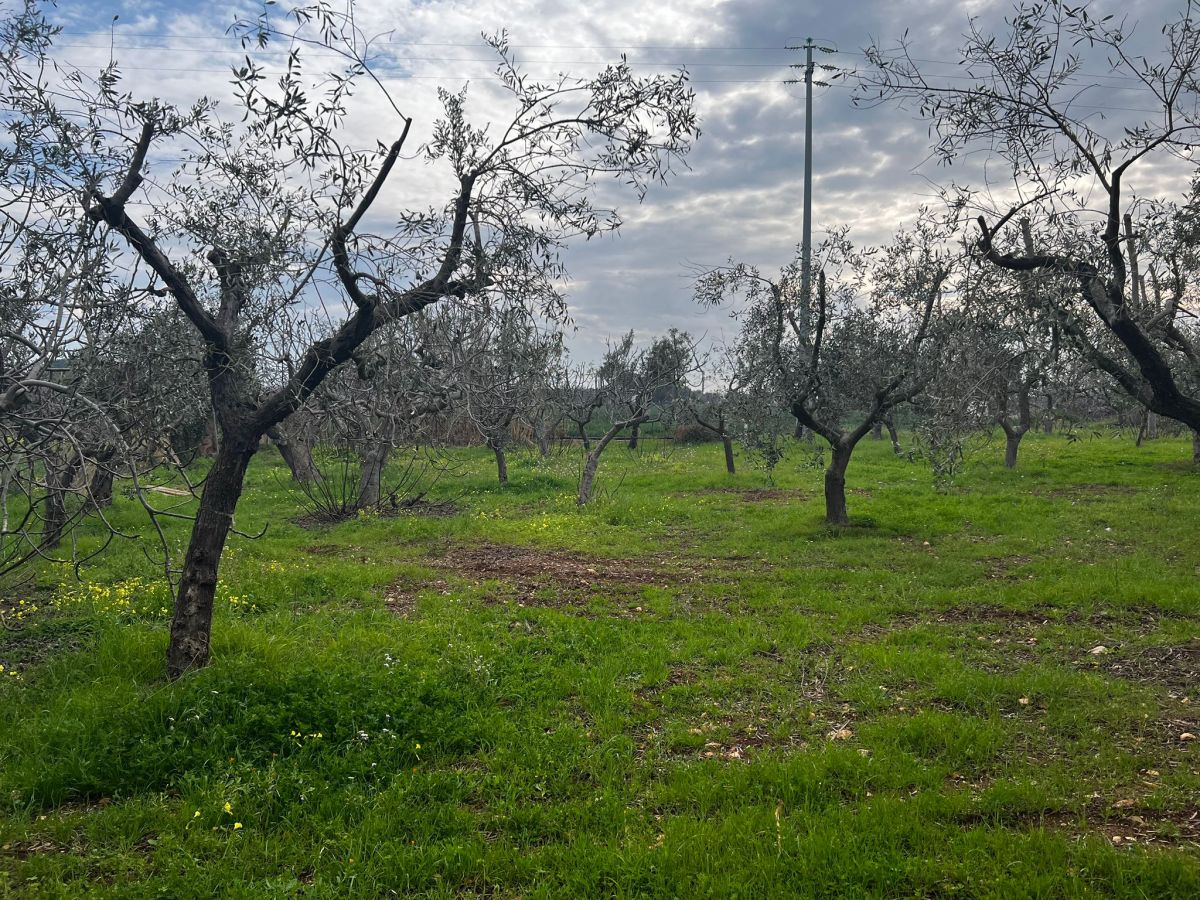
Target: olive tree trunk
{"x":592,"y":463}
{"x":100,"y":479}
{"x":371,"y":476}
{"x":100,"y":488}
{"x":890,"y":424}
{"x":191,"y":624}
{"x":59,"y":478}
{"x":497,"y":449}
{"x":297,"y":454}
{"x":835,"y":485}
{"x":727,"y":443}
{"x":1012,"y":443}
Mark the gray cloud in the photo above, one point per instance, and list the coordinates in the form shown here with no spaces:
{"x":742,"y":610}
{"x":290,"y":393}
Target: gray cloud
{"x":741,"y":197}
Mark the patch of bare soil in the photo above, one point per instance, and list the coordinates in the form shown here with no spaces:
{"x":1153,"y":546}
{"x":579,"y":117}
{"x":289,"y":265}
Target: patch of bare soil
{"x":1173,"y":667}
{"x":552,"y":578}
{"x":1125,"y":822}
{"x":990,"y":612}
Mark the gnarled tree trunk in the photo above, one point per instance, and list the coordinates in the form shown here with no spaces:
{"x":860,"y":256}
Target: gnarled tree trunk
{"x":100,"y":480}
{"x":1014,"y":433}
{"x":592,"y":463}
{"x":59,"y":478}
{"x":297,"y":454}
{"x":835,"y":485}
{"x":371,"y":476}
{"x":633,"y":438}
{"x":1012,"y":444}
{"x":191,"y":624}
{"x":100,"y":489}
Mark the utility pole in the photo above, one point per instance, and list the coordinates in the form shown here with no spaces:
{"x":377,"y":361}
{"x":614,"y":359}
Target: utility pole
{"x":806,"y":232}
{"x":806,"y":229}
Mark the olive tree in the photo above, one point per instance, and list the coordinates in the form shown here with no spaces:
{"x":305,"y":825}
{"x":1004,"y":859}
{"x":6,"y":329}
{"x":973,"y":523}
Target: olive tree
{"x":867,"y":341}
{"x":274,"y":201}
{"x":1018,"y":95}
{"x":712,"y":404}
{"x":636,"y":386}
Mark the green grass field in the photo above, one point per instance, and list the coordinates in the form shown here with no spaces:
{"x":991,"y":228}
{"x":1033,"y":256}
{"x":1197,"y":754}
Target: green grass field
{"x":691,"y":688}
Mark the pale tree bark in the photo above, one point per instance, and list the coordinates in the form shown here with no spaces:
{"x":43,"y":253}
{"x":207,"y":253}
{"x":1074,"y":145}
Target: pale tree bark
{"x":370,"y":480}
{"x":592,"y":462}
{"x":211,"y":440}
{"x":296,"y":453}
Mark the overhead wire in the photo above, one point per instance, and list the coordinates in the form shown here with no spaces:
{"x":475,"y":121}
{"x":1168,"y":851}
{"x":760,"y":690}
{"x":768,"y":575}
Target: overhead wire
{"x":1127,"y":83}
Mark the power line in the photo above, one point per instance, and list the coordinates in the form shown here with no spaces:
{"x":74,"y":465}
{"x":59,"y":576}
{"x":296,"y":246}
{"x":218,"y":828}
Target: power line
{"x":426,"y":76}
{"x":1132,"y":83}
{"x":483,"y":59}
{"x":474,"y":44}
{"x":690,"y":48}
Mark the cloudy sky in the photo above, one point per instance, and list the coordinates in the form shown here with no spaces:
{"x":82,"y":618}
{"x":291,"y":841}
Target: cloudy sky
{"x":742,"y":195}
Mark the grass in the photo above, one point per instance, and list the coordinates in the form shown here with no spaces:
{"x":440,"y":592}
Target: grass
{"x":690,"y":688}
